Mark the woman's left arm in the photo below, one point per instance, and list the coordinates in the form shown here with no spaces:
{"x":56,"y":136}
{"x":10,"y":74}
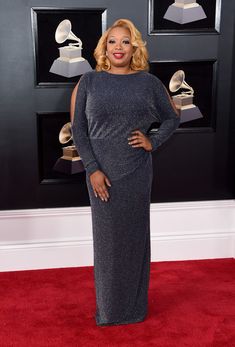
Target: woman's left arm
{"x":169,"y":117}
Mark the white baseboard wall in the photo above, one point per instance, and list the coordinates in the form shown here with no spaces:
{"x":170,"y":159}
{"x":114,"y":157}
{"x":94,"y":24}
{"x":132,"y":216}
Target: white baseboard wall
{"x":62,"y":237}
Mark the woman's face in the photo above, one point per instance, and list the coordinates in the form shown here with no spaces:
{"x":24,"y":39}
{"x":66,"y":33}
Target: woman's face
{"x":119,"y":47}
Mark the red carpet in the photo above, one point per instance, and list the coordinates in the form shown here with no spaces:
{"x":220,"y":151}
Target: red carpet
{"x":191,"y":303}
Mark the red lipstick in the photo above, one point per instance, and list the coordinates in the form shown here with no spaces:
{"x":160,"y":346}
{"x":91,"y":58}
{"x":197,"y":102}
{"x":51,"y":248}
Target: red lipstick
{"x":118,"y":55}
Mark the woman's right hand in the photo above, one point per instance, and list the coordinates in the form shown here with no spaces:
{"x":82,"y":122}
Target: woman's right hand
{"x":99,"y":182}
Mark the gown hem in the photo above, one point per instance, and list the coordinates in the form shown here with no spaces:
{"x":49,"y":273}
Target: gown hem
{"x":130,"y":321}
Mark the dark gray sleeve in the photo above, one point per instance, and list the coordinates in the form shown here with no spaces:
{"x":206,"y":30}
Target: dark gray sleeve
{"x":80,"y":130}
{"x":168,"y":118}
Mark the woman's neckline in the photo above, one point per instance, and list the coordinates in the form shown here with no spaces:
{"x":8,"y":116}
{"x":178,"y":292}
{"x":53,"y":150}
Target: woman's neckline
{"x":122,"y":74}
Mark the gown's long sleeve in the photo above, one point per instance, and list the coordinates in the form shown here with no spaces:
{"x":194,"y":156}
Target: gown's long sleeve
{"x":80,"y":130}
{"x":169,"y":119}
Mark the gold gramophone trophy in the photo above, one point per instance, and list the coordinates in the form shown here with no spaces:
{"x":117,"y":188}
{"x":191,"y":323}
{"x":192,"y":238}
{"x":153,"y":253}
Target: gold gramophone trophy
{"x":184,"y":100}
{"x":70,"y":163}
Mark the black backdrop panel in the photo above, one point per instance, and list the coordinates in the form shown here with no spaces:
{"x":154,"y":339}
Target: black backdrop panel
{"x":50,"y":149}
{"x":208,"y":24}
{"x":86,"y":24}
{"x":201,"y":76}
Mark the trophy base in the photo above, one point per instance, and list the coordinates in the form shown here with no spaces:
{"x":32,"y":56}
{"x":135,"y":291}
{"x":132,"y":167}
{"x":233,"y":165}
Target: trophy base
{"x":188,"y":114}
{"x":182,"y":15}
{"x":70,"y":52}
{"x":182,"y":100}
{"x":69,"y":167}
{"x":70,"y":69}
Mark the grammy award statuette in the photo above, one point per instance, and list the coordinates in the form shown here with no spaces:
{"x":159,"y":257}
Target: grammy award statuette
{"x":184,"y":100}
{"x":70,"y":163}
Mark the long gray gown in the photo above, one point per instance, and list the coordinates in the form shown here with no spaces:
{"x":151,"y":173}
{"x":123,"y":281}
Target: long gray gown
{"x":107,"y":108}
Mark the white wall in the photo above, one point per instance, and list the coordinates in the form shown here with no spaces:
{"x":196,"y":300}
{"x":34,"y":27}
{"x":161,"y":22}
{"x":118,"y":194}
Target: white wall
{"x":62,"y":237}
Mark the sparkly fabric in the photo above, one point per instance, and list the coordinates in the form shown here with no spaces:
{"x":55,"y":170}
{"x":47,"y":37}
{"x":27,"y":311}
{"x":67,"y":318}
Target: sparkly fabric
{"x":121,"y":241}
{"x":108,"y":107}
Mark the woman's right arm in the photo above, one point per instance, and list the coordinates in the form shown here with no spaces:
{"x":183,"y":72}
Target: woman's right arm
{"x":99,"y":180}
{"x":80,"y":127}
{"x":72,"y":103}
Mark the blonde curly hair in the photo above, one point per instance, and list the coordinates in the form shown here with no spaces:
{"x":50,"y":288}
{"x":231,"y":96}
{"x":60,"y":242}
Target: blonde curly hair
{"x":140,"y":56}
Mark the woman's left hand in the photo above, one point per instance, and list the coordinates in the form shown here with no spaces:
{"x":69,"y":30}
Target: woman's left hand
{"x":138,"y":139}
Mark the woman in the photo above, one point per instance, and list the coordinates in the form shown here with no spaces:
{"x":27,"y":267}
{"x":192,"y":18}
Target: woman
{"x":112,"y":110}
